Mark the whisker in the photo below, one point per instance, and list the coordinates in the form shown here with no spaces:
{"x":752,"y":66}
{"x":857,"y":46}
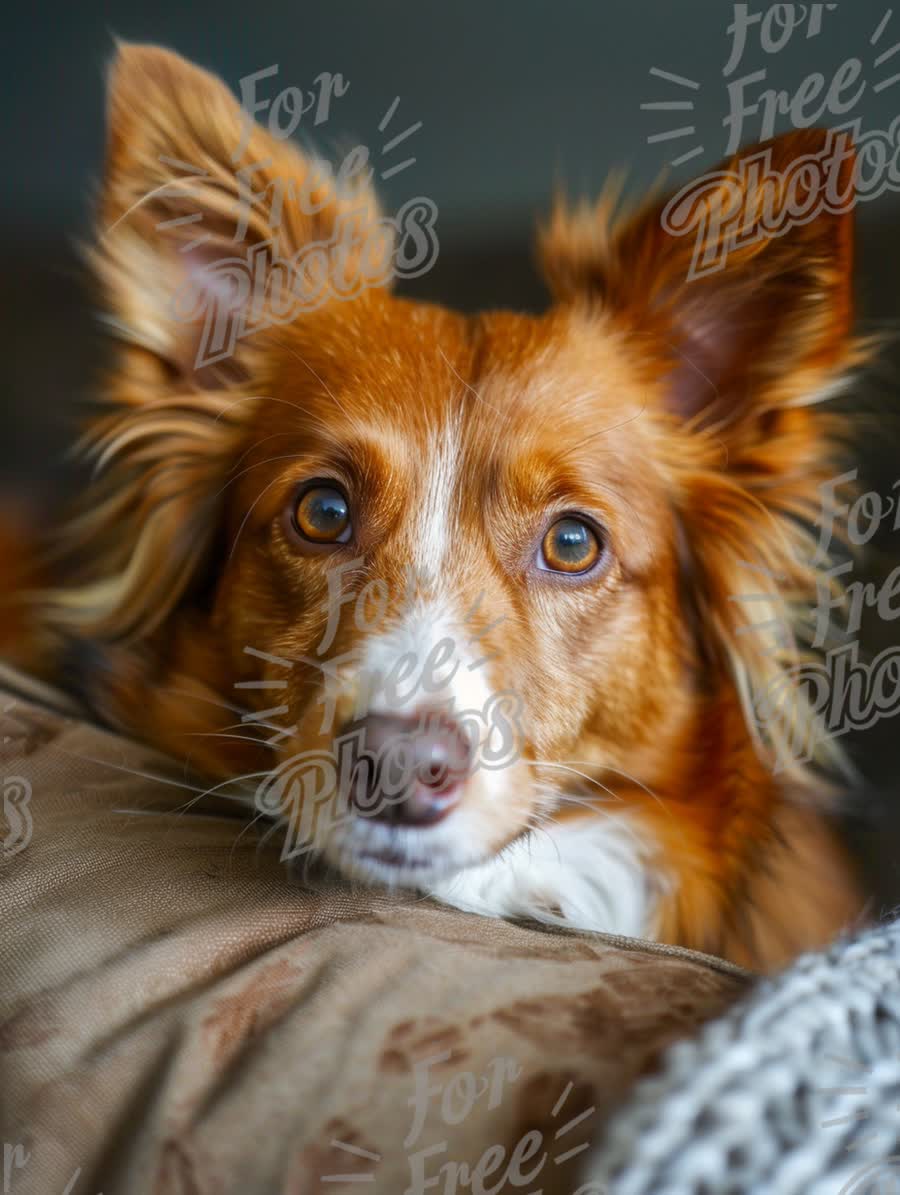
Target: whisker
{"x":471,"y":389}
{"x":248,"y":826}
{"x":258,"y":498}
{"x":546,"y":763}
{"x":172,"y":182}
{"x":286,"y":456}
{"x":208,"y":792}
{"x":277,"y":824}
{"x":232,"y":709}
{"x":259,"y":398}
{"x":603,"y":431}
{"x":588,"y":803}
{"x":130,"y":771}
{"x":321,"y":382}
{"x":218,"y":734}
{"x":608,"y":767}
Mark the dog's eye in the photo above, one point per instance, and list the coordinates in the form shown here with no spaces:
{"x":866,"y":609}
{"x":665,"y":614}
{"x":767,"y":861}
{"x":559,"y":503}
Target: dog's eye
{"x":322,"y":515}
{"x":570,"y":546}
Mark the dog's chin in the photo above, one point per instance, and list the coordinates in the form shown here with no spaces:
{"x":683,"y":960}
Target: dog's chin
{"x":401,"y":857}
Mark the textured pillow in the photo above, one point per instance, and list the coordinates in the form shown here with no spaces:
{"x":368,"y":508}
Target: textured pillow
{"x":795,"y":1091}
{"x":180,"y":1015}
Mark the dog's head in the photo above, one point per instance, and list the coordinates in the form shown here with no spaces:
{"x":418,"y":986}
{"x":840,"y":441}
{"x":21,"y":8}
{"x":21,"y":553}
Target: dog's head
{"x":446,"y":565}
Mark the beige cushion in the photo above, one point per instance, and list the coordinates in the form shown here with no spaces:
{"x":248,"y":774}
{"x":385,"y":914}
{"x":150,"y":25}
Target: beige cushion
{"x":178,"y":1014}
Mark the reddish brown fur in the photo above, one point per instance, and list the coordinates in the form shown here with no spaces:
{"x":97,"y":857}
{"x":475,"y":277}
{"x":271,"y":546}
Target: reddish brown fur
{"x":590,"y":407}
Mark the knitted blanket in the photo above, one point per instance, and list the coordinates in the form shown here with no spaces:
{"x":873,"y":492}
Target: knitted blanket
{"x":795,"y":1091}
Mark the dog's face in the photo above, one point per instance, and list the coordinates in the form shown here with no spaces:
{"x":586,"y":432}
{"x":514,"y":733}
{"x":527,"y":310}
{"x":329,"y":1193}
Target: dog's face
{"x":442,"y":514}
{"x":449,"y":563}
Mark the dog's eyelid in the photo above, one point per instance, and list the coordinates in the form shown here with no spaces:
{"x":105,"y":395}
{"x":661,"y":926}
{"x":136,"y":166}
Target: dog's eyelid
{"x":597,"y":520}
{"x":321,"y":477}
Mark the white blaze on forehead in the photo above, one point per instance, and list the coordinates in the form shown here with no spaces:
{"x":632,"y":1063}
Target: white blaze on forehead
{"x":430,"y":529}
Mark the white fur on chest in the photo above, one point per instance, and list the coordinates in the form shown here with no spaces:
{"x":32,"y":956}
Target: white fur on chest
{"x":588,"y":874}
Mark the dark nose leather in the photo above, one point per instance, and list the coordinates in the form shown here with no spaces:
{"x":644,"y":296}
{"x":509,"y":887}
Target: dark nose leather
{"x":409,"y":770}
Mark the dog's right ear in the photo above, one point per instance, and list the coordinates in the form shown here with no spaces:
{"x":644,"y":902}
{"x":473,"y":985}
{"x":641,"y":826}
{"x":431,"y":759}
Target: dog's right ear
{"x":737,"y":293}
{"x":192,"y":185}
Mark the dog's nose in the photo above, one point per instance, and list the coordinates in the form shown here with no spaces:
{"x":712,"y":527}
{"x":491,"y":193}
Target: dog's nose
{"x":408,"y":770}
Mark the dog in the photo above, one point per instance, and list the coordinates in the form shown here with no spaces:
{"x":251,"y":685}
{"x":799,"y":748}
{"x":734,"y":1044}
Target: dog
{"x":457,"y":599}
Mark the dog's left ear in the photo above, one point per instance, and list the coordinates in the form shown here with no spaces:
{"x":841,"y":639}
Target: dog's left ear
{"x":734,"y":296}
{"x":201,"y":212}
{"x":193,"y":190}
{"x":742,"y":278}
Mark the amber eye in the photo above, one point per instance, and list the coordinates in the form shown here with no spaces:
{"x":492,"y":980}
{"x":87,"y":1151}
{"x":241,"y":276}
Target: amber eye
{"x":322,"y":515}
{"x":570,"y":546}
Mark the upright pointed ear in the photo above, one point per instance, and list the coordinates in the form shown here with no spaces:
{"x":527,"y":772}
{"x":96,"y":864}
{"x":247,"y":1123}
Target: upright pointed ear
{"x":193,"y":191}
{"x":200,"y":211}
{"x":744,"y":275}
{"x":735,"y":295}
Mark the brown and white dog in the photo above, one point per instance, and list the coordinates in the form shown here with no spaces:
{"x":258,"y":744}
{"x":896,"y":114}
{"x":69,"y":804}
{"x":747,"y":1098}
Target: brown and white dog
{"x":555,"y":512}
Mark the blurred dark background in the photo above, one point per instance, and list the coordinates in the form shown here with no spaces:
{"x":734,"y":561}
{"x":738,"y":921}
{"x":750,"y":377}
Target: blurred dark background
{"x":514,"y":98}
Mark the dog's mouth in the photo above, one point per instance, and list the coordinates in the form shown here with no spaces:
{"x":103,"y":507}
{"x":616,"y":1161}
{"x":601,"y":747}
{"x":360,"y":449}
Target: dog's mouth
{"x":401,"y":856}
{"x":394,"y":857}
{"x":402,"y":799}
{"x":404,"y":796}
{"x":423,"y":857}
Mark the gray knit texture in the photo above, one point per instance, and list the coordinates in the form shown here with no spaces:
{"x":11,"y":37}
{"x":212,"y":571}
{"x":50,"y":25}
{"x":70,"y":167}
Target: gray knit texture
{"x":796,"y":1091}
